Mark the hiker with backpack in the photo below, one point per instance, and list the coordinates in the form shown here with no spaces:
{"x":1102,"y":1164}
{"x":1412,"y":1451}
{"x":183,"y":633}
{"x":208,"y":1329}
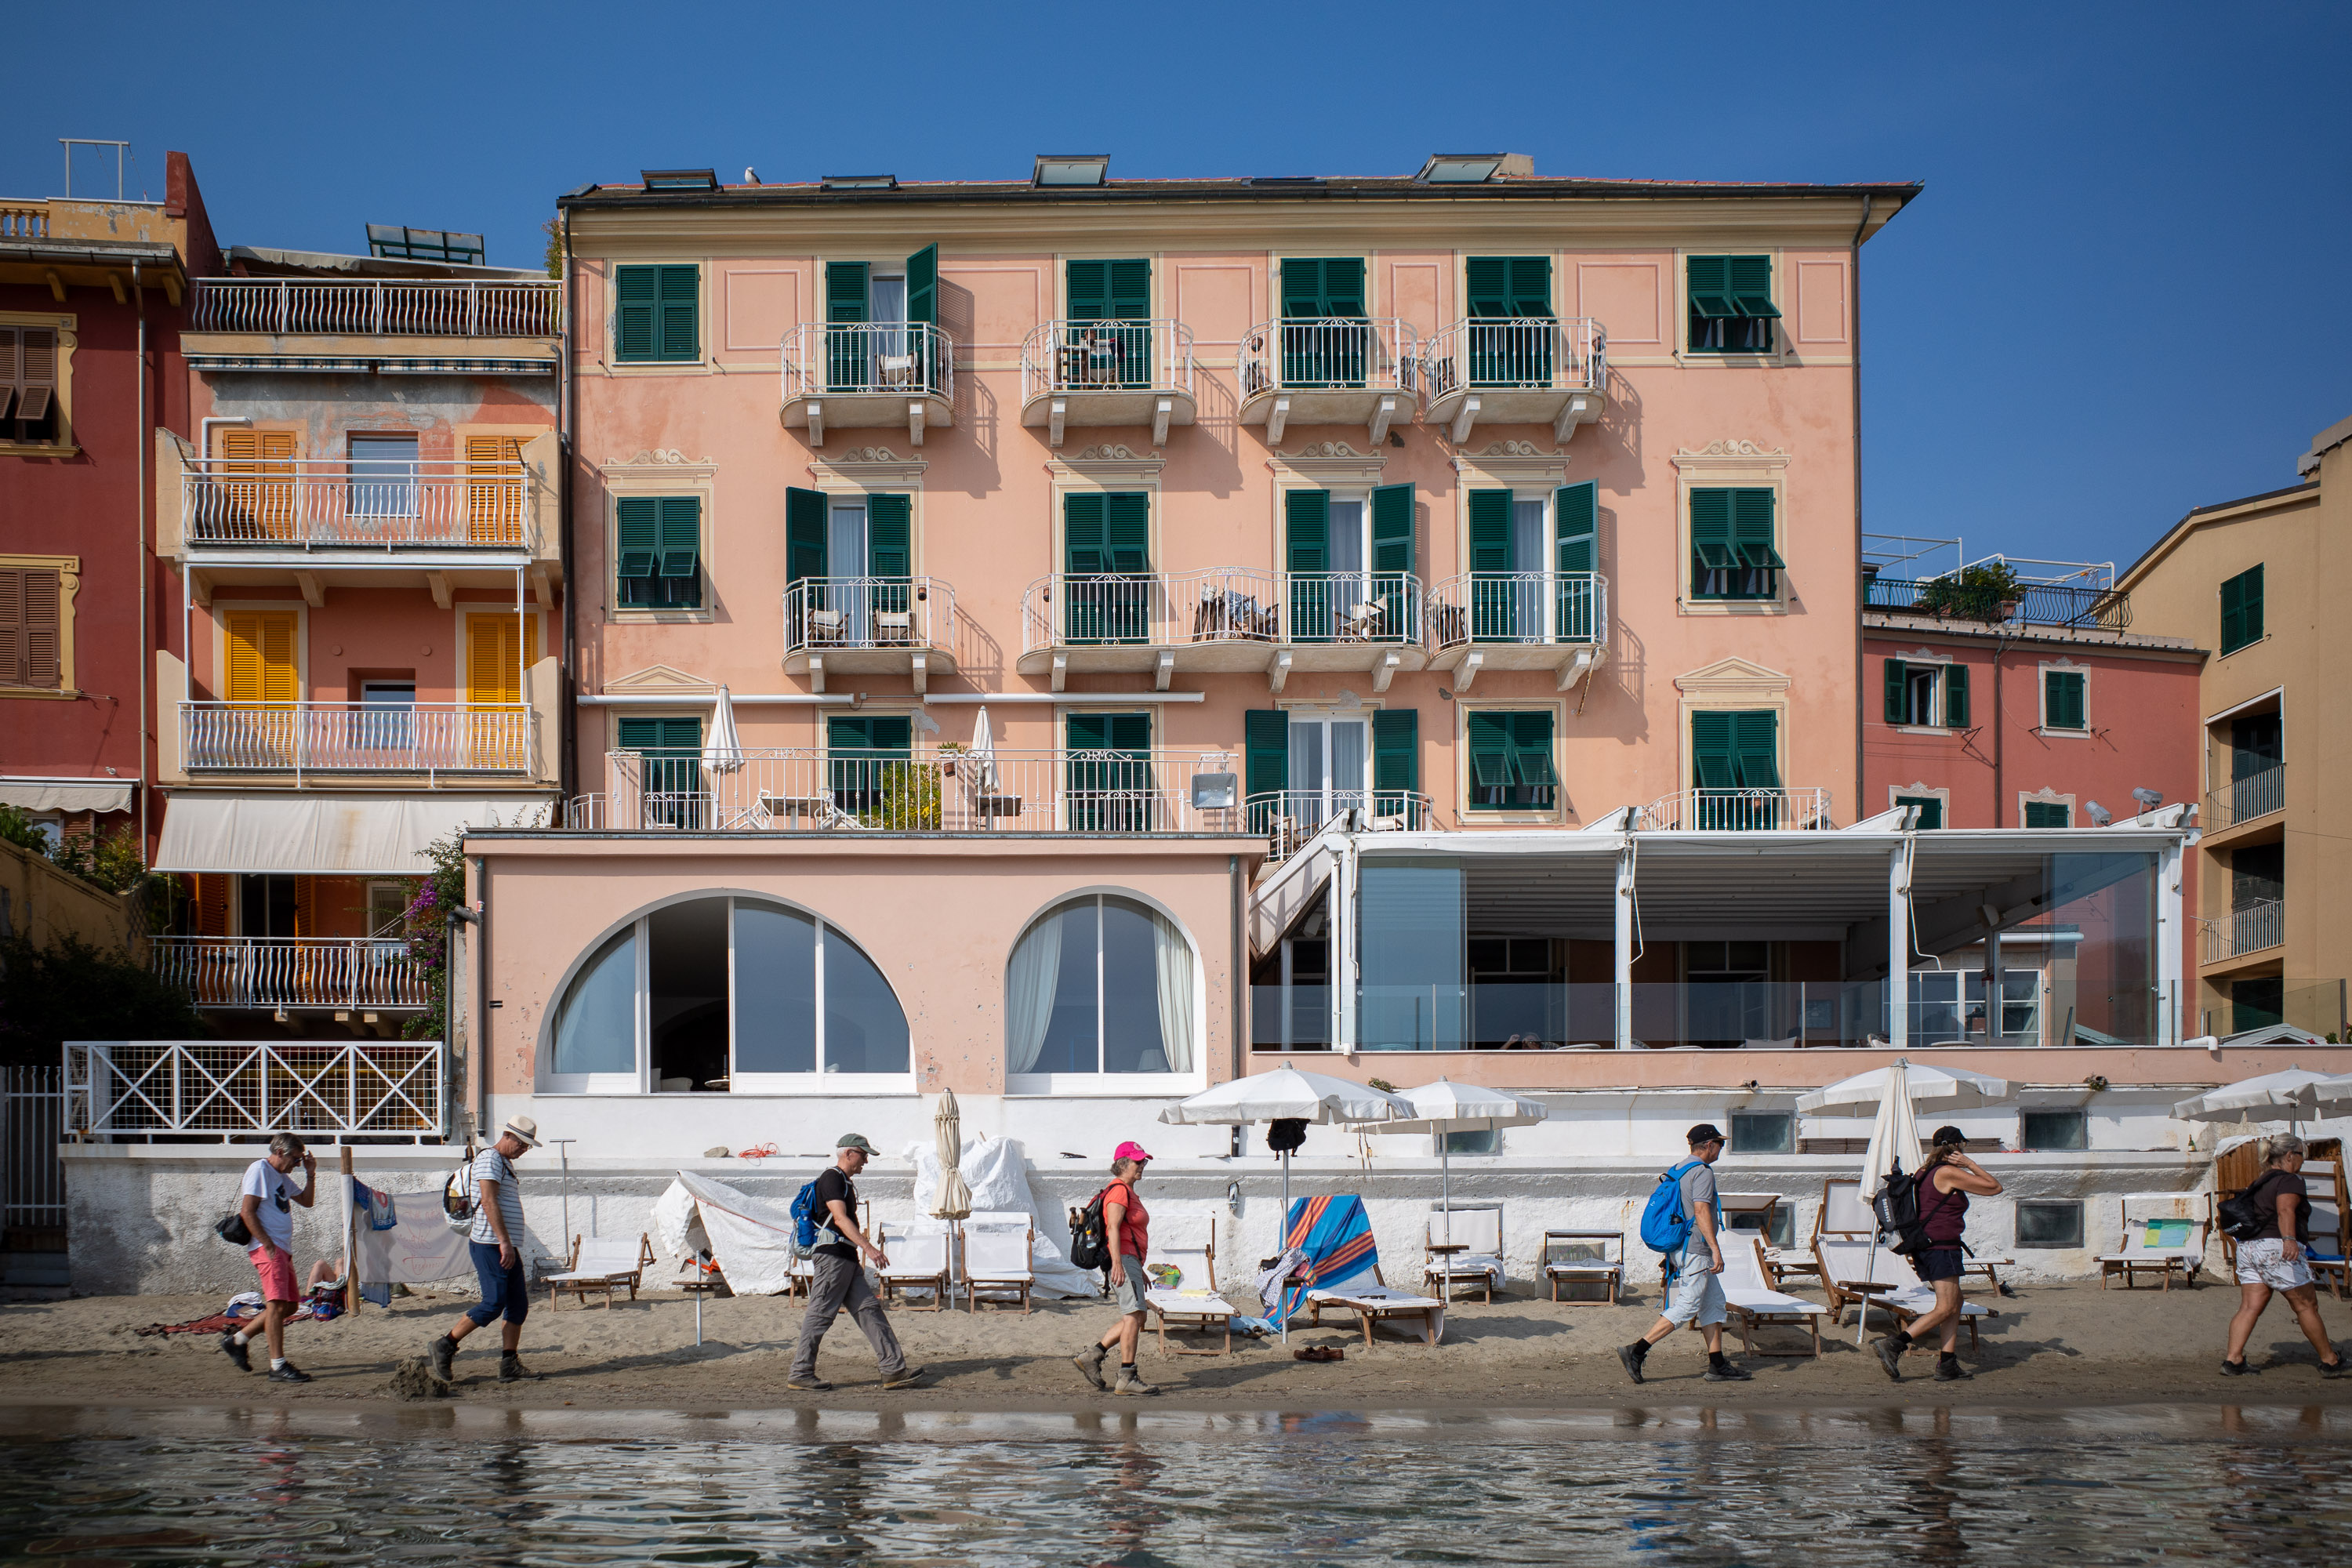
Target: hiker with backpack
{"x":1126,"y":1239}
{"x":1683,"y":1223}
{"x":2271,"y":1222}
{"x":495,"y":1242}
{"x":1931,"y":1238}
{"x":828,"y":1206}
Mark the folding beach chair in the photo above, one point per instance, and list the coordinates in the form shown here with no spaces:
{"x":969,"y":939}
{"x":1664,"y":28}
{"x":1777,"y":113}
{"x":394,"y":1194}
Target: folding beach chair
{"x":2162,"y":1239}
{"x":1477,"y":1230}
{"x":1342,"y":1269}
{"x":1754,"y":1304}
{"x":918,"y":1251}
{"x":1843,"y":1213}
{"x":1183,"y":1295}
{"x":1853,"y":1271}
{"x":1585,"y":1256}
{"x":603,"y":1263}
{"x":997,"y":1249}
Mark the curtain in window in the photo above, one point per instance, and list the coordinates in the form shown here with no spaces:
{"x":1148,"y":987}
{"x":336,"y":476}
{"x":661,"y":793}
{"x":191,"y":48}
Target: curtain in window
{"x":1031,"y":982}
{"x":1174,"y":957}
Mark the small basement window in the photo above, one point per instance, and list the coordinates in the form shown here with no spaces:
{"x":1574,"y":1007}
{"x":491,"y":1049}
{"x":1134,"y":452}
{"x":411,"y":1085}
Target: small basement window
{"x":1763,"y":1132}
{"x":2050,"y":1224}
{"x":2054,"y":1129}
{"x":1473,"y":1141}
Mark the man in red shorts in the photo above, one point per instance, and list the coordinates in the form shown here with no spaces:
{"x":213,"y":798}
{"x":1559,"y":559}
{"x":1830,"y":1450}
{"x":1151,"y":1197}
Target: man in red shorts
{"x":267,"y":1206}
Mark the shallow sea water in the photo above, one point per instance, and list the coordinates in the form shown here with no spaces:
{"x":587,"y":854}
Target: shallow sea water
{"x":2172,"y":1485}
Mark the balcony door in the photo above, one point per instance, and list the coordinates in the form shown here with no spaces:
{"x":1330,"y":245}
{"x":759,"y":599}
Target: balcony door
{"x":1532,"y":559}
{"x":1110,"y":787}
{"x":381,"y":494}
{"x":869,"y":347}
{"x":1107,"y":592}
{"x":1329,"y":767}
{"x":669,"y":765}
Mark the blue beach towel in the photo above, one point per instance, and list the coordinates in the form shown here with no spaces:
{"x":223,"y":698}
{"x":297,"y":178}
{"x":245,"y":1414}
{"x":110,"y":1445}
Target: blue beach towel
{"x":1337,"y":1236}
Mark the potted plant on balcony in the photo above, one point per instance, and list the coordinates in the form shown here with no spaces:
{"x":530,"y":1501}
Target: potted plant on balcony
{"x":1987,"y":591}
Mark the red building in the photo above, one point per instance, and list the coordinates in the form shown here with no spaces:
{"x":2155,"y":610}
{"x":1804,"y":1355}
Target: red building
{"x":91,"y":295}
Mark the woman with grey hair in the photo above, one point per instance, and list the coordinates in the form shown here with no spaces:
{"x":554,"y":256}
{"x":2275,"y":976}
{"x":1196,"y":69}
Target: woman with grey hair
{"x":2272,"y":1259}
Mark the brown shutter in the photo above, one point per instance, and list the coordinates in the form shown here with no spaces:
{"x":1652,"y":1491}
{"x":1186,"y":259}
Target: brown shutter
{"x":306,"y":906}
{"x":36,"y":373}
{"x":493,"y":491}
{"x":212,"y":902}
{"x":41,"y":665}
{"x":9,"y":364}
{"x":12,"y":625}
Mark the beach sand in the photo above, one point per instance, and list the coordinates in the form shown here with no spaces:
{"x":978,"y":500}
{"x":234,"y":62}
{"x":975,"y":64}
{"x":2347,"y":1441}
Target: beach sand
{"x":2073,"y":1344}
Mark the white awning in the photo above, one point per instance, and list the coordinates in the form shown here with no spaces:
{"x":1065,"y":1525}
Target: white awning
{"x":327,"y":835}
{"x":36,"y":793}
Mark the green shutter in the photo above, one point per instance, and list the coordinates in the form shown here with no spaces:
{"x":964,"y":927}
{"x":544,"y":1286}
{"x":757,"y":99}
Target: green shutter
{"x":1487,"y":283}
{"x":1083,"y":551}
{"x":681,"y":550}
{"x":1531,"y":750}
{"x":1396,"y":752}
{"x":923,"y":286}
{"x":681,"y":300}
{"x":2242,"y":610}
{"x":804,"y":535}
{"x":872,"y":735}
{"x":1931,"y":809}
{"x":1711,"y":536}
{"x":2253,"y":596}
{"x":1714,"y":761}
{"x":1302,"y":289}
{"x":1393,"y":507}
{"x":1898,"y":692}
{"x":1127,"y":732}
{"x":1530,"y":286}
{"x":1576,"y":515}
{"x":888,"y":547}
{"x":1088,"y":286}
{"x":844,"y":291}
{"x":1089,"y":731}
{"x":2062,"y":700}
{"x":1755,"y":734}
{"x":1751,"y":286}
{"x":1127,"y":532}
{"x":1343,"y":288}
{"x":1266,"y":750}
{"x":673,"y":736}
{"x":637,"y":536}
{"x":1331,"y":288}
{"x":1490,"y":532}
{"x":2047,"y":814}
{"x":1130,"y":290}
{"x":1956,"y":700}
{"x":636,"y":293}
{"x":1489,"y":736}
{"x":1710,"y":287}
{"x":1307,"y":531}
{"x":1752,"y":542}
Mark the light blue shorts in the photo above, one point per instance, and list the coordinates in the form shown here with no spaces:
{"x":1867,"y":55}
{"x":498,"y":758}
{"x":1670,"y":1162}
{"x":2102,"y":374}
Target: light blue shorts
{"x":1697,"y":1294}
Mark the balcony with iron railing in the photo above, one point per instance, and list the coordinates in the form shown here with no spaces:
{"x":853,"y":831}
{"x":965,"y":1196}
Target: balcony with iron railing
{"x":2247,"y":797}
{"x":1336,"y":372}
{"x":1531,"y":370}
{"x":2247,"y":930}
{"x":1738,"y":810}
{"x":377,"y":307}
{"x":348,"y":974}
{"x":305,"y":738}
{"x":864,"y":375}
{"x":869,"y":626}
{"x":2062,"y":604}
{"x":1290,"y":818}
{"x":948,"y":789}
{"x":1223,"y":620}
{"x":1518,"y":620}
{"x":1090,"y":374}
{"x":394,"y":507}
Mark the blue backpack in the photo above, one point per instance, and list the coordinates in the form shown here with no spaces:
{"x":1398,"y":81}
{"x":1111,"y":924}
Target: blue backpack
{"x":1665,"y":1228}
{"x":805,"y":1220}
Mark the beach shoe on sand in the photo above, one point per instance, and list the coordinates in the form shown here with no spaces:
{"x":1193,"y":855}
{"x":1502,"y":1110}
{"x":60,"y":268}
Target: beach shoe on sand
{"x":1129,"y":1383}
{"x":236,"y":1352}
{"x":1950,"y":1371}
{"x":287,"y":1372}
{"x":511,"y":1367}
{"x":2332,"y":1368}
{"x":1890,"y":1356}
{"x":911,"y":1378}
{"x":2236,"y":1368}
{"x":1631,"y":1360}
{"x":1726,"y":1373}
{"x":1089,"y":1364}
{"x":808,"y":1386}
{"x":439,"y":1354}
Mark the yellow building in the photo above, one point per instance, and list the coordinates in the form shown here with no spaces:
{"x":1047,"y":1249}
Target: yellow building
{"x":2252,"y":580}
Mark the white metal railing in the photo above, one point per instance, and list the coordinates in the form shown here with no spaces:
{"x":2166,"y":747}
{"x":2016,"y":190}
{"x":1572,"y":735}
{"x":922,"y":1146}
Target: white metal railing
{"x":311,"y":503}
{"x":2247,"y":928}
{"x":946,"y":790}
{"x":869,"y":613}
{"x":1519,"y":608}
{"x":1290,"y":817}
{"x":382,"y":307}
{"x":32,"y":1125}
{"x":291,"y":971}
{"x":1736,"y":810}
{"x":240,"y":1089}
{"x":1530,"y":353}
{"x":2243,"y":799}
{"x":1106,"y":356}
{"x":1331,"y":355}
{"x":825,"y":359}
{"x":1226,"y":604}
{"x":352,"y":737}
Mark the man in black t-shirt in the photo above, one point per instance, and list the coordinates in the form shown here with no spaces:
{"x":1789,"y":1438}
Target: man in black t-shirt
{"x":840,"y":1280}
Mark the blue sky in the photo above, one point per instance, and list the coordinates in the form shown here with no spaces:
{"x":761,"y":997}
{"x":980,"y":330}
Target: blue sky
{"x":2121,"y":295}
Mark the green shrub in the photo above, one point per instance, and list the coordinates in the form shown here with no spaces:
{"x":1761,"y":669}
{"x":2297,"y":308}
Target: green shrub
{"x":72,"y":991}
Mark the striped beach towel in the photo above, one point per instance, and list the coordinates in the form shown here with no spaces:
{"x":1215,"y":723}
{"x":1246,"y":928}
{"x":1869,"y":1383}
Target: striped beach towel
{"x":1336,"y":1235}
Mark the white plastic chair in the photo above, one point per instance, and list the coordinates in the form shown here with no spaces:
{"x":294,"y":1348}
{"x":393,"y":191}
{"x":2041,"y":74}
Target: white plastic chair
{"x":996,"y":1259}
{"x":917,"y":1252}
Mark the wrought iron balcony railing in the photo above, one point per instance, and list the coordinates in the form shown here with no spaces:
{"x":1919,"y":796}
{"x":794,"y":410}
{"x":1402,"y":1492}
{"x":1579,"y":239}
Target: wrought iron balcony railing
{"x":315,"y":503}
{"x":1519,"y":608}
{"x":386,"y":307}
{"x":1222,"y":605}
{"x":1738,"y":810}
{"x":825,"y":359}
{"x":2247,"y":929}
{"x":291,"y":971}
{"x":822,"y":612}
{"x":1334,"y":355}
{"x":357,"y":738}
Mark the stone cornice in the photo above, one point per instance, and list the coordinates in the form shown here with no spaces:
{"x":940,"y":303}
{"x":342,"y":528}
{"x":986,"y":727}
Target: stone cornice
{"x":1328,"y":460}
{"x":870,"y":466}
{"x":1108,"y":464}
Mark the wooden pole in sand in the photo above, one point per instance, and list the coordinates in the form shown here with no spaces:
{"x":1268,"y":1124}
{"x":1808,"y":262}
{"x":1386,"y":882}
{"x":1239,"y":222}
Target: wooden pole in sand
{"x":350,"y":1238}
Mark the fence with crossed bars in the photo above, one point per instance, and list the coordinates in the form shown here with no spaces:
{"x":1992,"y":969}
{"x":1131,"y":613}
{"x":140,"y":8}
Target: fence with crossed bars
{"x":240,"y":1090}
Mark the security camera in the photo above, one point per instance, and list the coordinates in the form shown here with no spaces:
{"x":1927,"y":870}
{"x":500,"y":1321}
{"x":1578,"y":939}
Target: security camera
{"x":2150,"y":799}
{"x":2099,"y":815}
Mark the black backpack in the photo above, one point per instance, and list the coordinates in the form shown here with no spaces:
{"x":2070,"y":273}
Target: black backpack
{"x":1089,"y":1239}
{"x":1896,"y":1208}
{"x":2242,"y":1216}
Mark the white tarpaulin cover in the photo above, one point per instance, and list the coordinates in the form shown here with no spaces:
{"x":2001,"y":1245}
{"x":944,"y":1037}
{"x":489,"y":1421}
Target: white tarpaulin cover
{"x":327,"y":835}
{"x":752,"y":1238}
{"x":998,"y":1174}
{"x":64,"y":794}
{"x":403,"y":1238}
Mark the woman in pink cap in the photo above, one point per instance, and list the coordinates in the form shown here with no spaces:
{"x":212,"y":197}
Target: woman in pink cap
{"x":1126,"y":1220}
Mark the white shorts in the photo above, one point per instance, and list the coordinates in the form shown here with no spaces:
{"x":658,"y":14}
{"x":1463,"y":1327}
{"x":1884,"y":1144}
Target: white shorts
{"x":2268,"y":1262}
{"x":1697,"y":1293}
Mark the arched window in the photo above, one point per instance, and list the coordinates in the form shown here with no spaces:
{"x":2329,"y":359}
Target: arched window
{"x":721,"y":994}
{"x":1100,"y":985}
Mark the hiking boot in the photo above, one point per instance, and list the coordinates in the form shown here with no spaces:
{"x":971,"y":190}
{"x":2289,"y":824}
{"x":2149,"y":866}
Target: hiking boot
{"x":287,"y":1372}
{"x":2236,"y":1368}
{"x":1890,"y":1356}
{"x":1129,"y":1383}
{"x":2333,"y":1368}
{"x":439,"y":1354}
{"x":1630,"y":1357}
{"x":1950,"y":1371}
{"x":511,"y":1367}
{"x":808,"y":1386}
{"x":1726,"y":1373}
{"x":236,"y":1352}
{"x":1089,"y":1364}
{"x":911,"y":1378}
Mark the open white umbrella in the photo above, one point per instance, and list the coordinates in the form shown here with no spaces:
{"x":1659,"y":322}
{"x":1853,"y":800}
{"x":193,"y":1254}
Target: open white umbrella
{"x":2295,"y":1093}
{"x":955,"y":1197}
{"x":1892,"y":1151}
{"x":1286,"y":1095}
{"x":723,"y":751}
{"x":1947,"y":1089}
{"x":1447,"y":1107}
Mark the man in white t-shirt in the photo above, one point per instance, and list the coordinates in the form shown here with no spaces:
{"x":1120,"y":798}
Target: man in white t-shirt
{"x":266,"y":1207}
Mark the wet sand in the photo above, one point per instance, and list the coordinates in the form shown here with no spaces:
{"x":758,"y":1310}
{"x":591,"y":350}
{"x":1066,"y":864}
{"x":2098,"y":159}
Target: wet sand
{"x":2071,"y":1344}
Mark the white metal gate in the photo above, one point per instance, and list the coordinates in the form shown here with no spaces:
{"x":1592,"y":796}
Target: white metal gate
{"x":32,"y":1121}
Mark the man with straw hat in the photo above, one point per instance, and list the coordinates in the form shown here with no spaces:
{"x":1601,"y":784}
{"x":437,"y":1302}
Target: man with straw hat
{"x":495,"y":1243}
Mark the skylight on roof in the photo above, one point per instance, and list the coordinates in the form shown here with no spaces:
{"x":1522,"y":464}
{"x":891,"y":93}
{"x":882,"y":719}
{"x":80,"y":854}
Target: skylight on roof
{"x":680,"y":179}
{"x":860,"y":182}
{"x":1460,"y":168}
{"x":1071,"y":169}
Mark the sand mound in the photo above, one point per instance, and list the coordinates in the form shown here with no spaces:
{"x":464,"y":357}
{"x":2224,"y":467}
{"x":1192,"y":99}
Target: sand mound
{"x":414,"y":1379}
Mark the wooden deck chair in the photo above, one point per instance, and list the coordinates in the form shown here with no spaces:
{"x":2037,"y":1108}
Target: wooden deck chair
{"x":2324,"y":1181}
{"x":604,"y":1263}
{"x":1183,"y":1295}
{"x":801,"y":1271}
{"x":1585,"y":1256}
{"x":918,"y":1251}
{"x":1754,"y":1304}
{"x":996,"y":1254}
{"x":2160,"y":1238}
{"x":1378,"y":1302}
{"x":1853,"y":1271}
{"x":1479,"y":1228}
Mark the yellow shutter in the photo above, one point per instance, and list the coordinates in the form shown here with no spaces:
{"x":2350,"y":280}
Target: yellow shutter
{"x":493,"y":491}
{"x":492,"y":680}
{"x":261,"y":663}
{"x":261,"y":483}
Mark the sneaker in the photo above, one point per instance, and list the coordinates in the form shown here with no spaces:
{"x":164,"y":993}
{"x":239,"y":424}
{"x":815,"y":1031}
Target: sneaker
{"x":1950,"y":1371}
{"x":510,"y":1368}
{"x":236,"y":1352}
{"x":1129,"y":1383}
{"x":1090,"y":1366}
{"x":1890,"y":1356}
{"x":911,"y":1378}
{"x":439,"y":1354}
{"x":808,"y":1386}
{"x":1726,"y":1373}
{"x":288,"y":1373}
{"x":2333,"y":1368}
{"x":2236,"y":1368}
{"x":1630,"y":1357}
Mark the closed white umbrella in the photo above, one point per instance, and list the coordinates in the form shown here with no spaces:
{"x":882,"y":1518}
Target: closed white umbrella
{"x":722,"y":752}
{"x":2296,"y":1092}
{"x":983,"y":754}
{"x":955,"y":1197}
{"x":1447,"y":1107}
{"x":1892,"y":1151}
{"x":1946,"y":1089}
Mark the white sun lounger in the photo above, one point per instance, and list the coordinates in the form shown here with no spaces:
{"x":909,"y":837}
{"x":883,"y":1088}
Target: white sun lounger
{"x":604,"y":1263}
{"x":1853,"y":1271}
{"x":1374,"y":1300}
{"x":996,"y":1259}
{"x":1187,"y":1299}
{"x":918,"y":1251}
{"x":1843,"y":1213}
{"x":1755,"y":1305}
{"x":2160,"y":1239}
{"x":1479,"y":1231}
{"x":1585,"y":1256}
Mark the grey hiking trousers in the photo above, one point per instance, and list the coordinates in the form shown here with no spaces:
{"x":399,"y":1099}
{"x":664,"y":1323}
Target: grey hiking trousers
{"x":840,"y":1284}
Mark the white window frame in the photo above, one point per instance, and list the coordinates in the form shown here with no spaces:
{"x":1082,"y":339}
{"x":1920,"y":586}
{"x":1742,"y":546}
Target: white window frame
{"x":1105,"y":1085}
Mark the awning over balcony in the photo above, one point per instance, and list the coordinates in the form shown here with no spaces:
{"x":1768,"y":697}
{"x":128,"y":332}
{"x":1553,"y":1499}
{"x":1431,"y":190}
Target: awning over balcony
{"x":326,"y":835}
{"x":37,"y":794}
